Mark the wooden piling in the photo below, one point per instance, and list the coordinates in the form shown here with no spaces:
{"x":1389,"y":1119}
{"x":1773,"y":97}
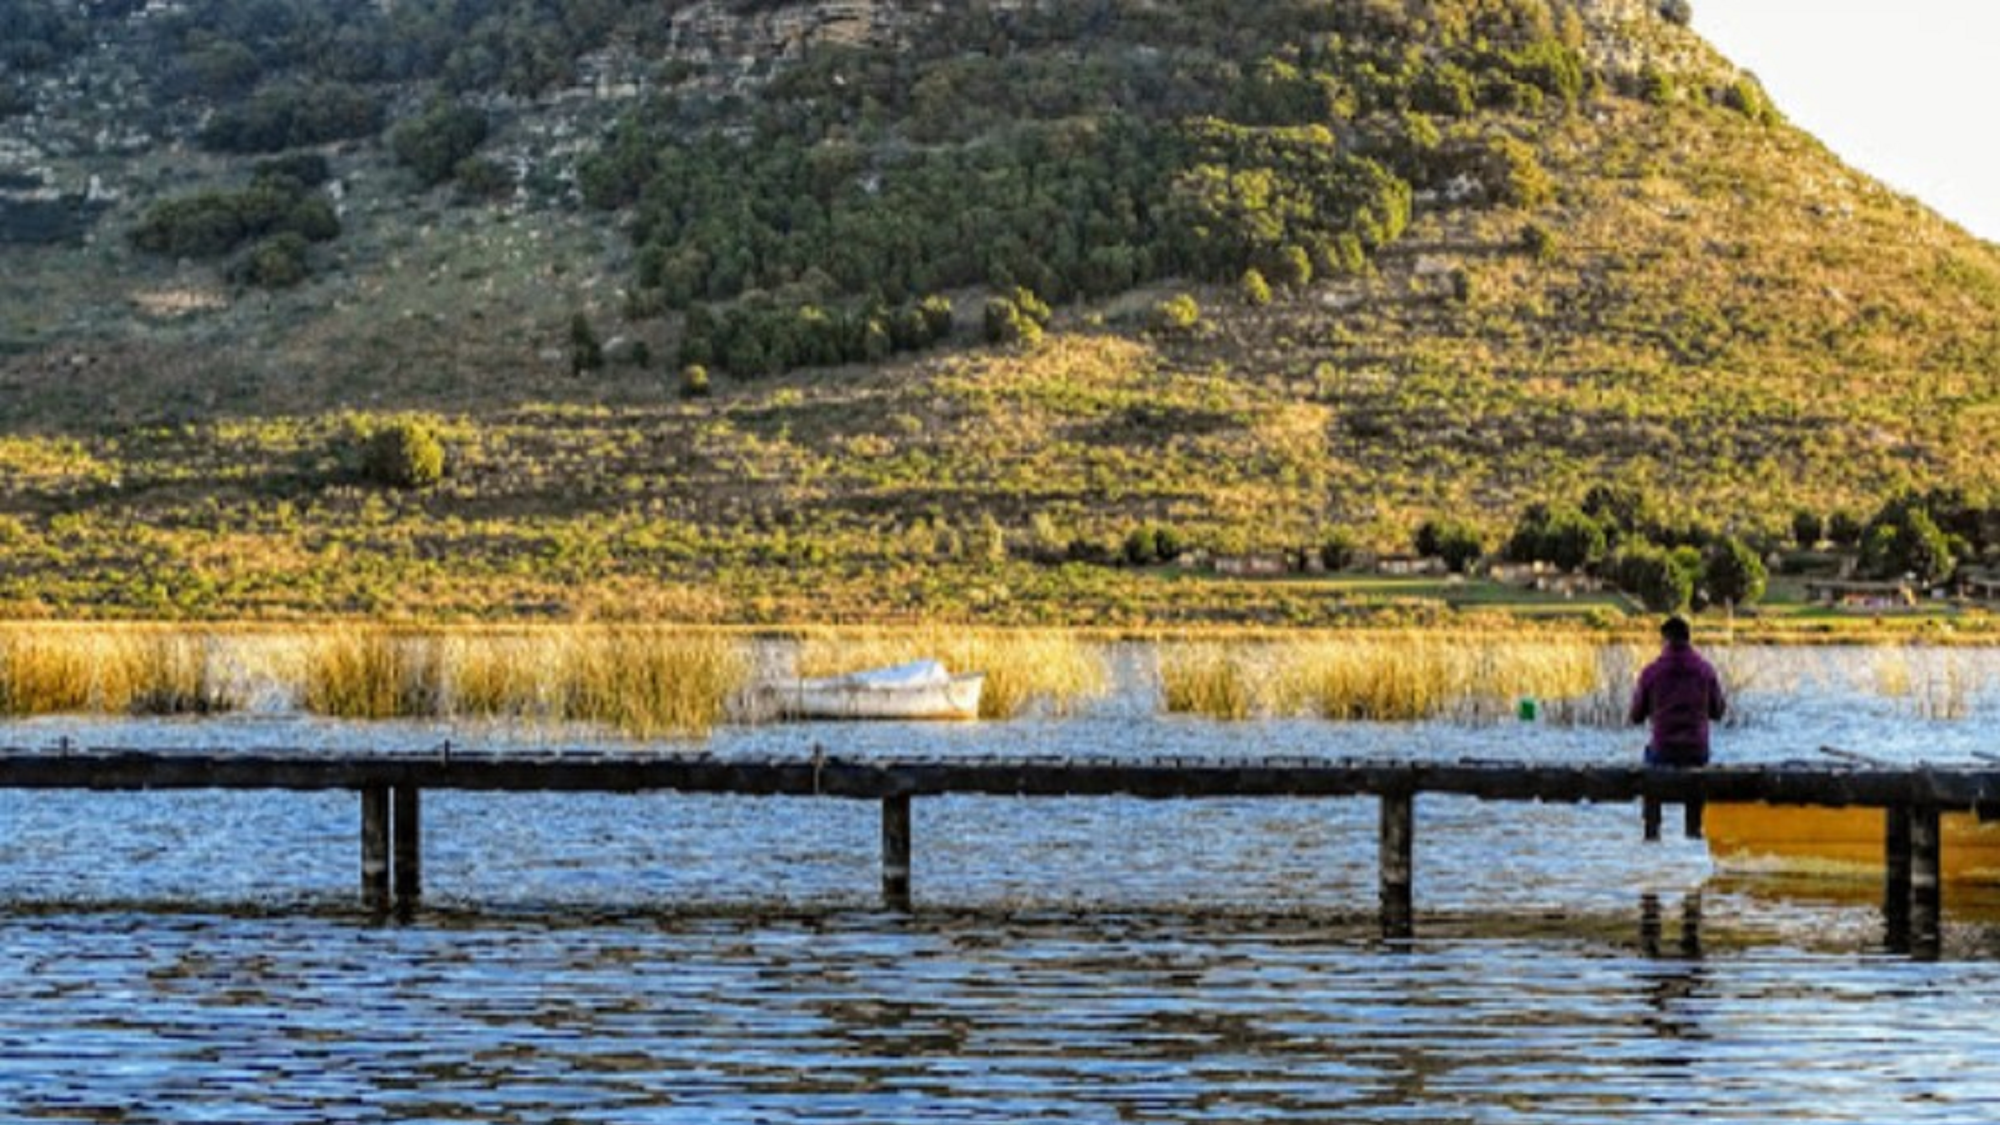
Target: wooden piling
{"x":407,"y":828}
{"x":1691,"y":819}
{"x":1926,"y":884}
{"x":1651,"y":817}
{"x":375,"y":847}
{"x":896,"y":852}
{"x":1398,"y":861}
{"x":1896,"y":879}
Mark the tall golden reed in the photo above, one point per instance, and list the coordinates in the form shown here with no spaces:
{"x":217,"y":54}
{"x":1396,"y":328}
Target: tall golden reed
{"x":648,"y":682}
{"x":174,"y":673}
{"x":1023,"y":667}
{"x":1384,"y":678}
{"x":373,"y":672}
{"x":48,"y":669}
{"x":1211,"y":679}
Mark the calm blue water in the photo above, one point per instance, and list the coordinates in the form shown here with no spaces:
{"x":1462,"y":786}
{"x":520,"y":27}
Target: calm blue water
{"x":197,"y":957}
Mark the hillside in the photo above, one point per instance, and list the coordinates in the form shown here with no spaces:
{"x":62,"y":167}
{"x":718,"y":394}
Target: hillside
{"x":1317,"y":273}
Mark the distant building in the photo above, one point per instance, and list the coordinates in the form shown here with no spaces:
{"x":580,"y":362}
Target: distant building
{"x":1408,"y":565}
{"x":1251,"y":566}
{"x":1853,"y":594}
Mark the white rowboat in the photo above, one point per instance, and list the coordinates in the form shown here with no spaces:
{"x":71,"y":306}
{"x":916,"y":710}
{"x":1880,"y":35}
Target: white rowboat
{"x":919,"y":690}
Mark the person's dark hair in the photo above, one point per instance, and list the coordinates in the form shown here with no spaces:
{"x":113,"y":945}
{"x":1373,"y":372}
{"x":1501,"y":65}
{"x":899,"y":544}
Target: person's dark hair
{"x":1675,"y":630}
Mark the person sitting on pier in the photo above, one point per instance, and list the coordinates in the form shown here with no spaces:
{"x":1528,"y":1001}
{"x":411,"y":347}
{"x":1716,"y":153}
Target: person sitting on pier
{"x":1681,"y":694}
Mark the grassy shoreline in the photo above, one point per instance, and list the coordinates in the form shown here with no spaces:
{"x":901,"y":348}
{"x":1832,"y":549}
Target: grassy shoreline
{"x":674,"y":681}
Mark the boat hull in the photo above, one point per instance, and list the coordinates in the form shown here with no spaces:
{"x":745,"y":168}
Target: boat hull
{"x":1838,"y":842}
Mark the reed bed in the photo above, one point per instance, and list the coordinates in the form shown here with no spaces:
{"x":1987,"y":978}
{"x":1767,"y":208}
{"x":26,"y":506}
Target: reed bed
{"x":1933,"y":683}
{"x":56,"y":669}
{"x":647,"y":682}
{"x":643,"y":682}
{"x":1376,"y":678}
{"x":1050,"y":668}
{"x":371,"y":672}
{"x":180,"y":674}
{"x":1211,"y":679}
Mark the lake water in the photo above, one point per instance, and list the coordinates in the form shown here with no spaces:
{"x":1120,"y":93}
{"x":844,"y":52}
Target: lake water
{"x":198,"y":957}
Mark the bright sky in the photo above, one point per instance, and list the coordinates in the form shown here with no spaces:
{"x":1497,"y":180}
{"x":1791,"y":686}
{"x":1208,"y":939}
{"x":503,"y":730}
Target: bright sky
{"x":1900,"y":89}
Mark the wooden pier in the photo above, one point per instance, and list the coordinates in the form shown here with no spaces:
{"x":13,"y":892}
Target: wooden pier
{"x":390,"y":788}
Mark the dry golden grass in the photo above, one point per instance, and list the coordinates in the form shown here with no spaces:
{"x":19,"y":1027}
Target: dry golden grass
{"x":647,"y":682}
{"x":176,"y":674}
{"x":48,"y":669}
{"x":1054,"y":668}
{"x":1388,"y":678}
{"x":1210,"y":679}
{"x":373,"y":672}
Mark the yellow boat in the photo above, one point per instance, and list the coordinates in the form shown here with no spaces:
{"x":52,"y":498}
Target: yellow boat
{"x":1840,"y":842}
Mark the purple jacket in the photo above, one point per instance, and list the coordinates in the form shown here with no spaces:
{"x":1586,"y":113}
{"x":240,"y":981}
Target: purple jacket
{"x":1680,"y":693}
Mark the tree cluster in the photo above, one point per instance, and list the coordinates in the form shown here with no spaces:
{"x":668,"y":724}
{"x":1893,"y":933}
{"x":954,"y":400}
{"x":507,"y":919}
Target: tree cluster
{"x":755,"y":338}
{"x":218,"y":49}
{"x":293,"y":115}
{"x":279,"y":211}
{"x":436,"y":143}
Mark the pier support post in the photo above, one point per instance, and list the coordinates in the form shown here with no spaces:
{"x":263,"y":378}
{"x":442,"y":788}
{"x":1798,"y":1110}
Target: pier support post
{"x":1896,"y":877}
{"x":375,"y":848}
{"x":1691,"y":818}
{"x":1651,"y":815}
{"x":1926,"y":880}
{"x":408,"y":831}
{"x":896,"y":852}
{"x":1398,"y":860}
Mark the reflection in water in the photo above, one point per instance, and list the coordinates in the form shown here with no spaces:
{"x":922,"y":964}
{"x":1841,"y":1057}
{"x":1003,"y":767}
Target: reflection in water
{"x":955,"y":1015}
{"x":1676,"y":987}
{"x":193,"y":957}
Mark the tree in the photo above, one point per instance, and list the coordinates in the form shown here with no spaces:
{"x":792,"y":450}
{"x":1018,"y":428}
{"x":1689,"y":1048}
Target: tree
{"x":1903,"y":538}
{"x":1843,"y":529}
{"x":585,"y":352}
{"x":1807,"y":528}
{"x":432,"y":143}
{"x":1337,"y":549}
{"x":1732,"y":573}
{"x":1663,"y":581}
{"x":1456,"y":542}
{"x":1561,"y":535}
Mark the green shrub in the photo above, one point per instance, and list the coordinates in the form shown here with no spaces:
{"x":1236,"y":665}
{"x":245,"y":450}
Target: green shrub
{"x":403,"y":454}
{"x":209,"y":224}
{"x":1177,"y":314}
{"x":1255,"y":290}
{"x":1016,"y":319}
{"x":278,"y":262}
{"x":1540,"y":242}
{"x":1746,"y":97}
{"x":435,"y":142}
{"x":296,"y":115}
